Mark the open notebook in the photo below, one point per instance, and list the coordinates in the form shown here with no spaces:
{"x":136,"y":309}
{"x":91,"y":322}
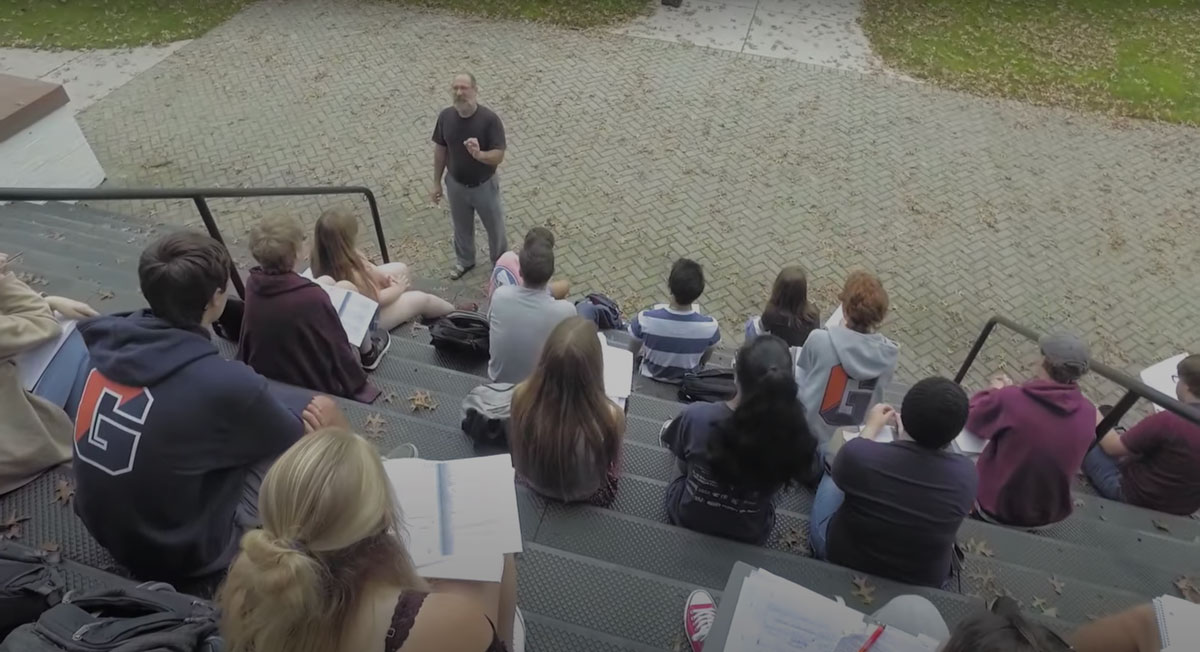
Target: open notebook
{"x":1178,"y":624}
{"x":355,"y":311}
{"x":460,"y":516}
{"x":761,"y":612}
{"x":32,"y":364}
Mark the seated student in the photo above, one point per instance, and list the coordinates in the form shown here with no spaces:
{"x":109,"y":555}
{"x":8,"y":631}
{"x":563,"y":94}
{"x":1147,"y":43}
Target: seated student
{"x":328,"y":571}
{"x":894,"y":509}
{"x":290,"y":331}
{"x":171,"y":439}
{"x":35,"y":434}
{"x":521,"y":317}
{"x":843,"y":371}
{"x":1156,"y":464}
{"x":508,"y":267}
{"x":336,"y":261}
{"x":564,"y":432}
{"x":676,"y":339}
{"x":737,"y":455}
{"x":788,"y":314}
{"x":1037,"y":436}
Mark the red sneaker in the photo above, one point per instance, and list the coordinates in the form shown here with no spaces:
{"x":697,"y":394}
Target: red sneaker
{"x":698,"y":615}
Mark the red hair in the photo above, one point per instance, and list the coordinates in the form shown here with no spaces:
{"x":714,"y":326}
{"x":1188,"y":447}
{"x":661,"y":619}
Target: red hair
{"x":864,"y":301}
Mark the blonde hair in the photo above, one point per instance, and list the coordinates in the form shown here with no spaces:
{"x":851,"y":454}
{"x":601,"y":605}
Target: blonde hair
{"x":330,"y":524}
{"x":334,"y":253}
{"x":275,"y":242}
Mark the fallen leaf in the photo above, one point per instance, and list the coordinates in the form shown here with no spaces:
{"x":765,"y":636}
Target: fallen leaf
{"x":1159,"y":525}
{"x":105,"y":295}
{"x":53,"y":552}
{"x":1039,"y":603}
{"x":863,"y":590}
{"x":374,"y":426}
{"x":1092,"y":617}
{"x":391,"y":397}
{"x":64,"y":492}
{"x":1188,"y":589}
{"x":1057,"y":584}
{"x":157,"y":164}
{"x":1050,"y":612}
{"x":422,"y":401}
{"x":793,"y":540}
{"x":979,"y":547}
{"x":10,"y":528}
{"x":1079,"y":502}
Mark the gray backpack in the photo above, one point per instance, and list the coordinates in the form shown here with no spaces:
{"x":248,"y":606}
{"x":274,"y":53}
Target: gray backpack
{"x":148,"y":618}
{"x":486,"y":411}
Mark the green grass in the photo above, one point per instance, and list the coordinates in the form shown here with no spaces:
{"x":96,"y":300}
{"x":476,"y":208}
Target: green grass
{"x":1138,"y":58}
{"x":86,"y":24}
{"x":568,"y":13}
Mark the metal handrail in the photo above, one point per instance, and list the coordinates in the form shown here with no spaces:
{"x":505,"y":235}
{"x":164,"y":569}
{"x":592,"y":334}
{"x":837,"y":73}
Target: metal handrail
{"x":199,"y":197}
{"x":1134,"y":388}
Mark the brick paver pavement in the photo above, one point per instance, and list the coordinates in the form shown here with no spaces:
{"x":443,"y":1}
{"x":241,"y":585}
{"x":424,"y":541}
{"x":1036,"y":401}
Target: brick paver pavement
{"x":637,"y":152}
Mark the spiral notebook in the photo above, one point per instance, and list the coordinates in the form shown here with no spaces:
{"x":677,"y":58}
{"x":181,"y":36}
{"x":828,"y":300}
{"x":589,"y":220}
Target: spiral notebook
{"x":1178,"y":623}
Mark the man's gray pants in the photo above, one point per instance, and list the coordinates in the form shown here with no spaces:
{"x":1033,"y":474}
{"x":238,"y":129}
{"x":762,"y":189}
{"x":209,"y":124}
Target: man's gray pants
{"x":465,"y":202}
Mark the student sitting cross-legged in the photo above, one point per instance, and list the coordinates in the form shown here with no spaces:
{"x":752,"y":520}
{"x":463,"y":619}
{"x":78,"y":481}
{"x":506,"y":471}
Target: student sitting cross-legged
{"x":843,"y":371}
{"x":894,"y":509}
{"x":336,"y":261}
{"x":329,"y":572}
{"x":564,"y":432}
{"x":171,"y":440}
{"x":508,"y":267}
{"x":676,"y":339}
{"x":789,"y":314}
{"x":736,"y":455}
{"x":290,"y":330}
{"x":521,"y":316}
{"x":1038,"y":433}
{"x":1156,"y":464}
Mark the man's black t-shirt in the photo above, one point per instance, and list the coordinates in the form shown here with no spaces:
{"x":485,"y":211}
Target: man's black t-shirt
{"x":452,"y":130}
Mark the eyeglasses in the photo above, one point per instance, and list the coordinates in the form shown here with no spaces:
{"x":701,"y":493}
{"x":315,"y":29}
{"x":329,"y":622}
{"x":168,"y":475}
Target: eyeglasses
{"x":1174,"y":378}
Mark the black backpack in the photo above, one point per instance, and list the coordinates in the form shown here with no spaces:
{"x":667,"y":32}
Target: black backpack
{"x":461,"y":332}
{"x":29,"y":585}
{"x":607,"y":314}
{"x":148,"y":618}
{"x":712,"y":384}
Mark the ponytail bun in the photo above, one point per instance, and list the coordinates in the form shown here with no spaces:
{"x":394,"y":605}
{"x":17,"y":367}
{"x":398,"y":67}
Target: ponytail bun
{"x":275,"y":570}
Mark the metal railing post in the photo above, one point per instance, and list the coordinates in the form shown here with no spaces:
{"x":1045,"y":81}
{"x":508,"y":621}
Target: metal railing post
{"x":1114,"y":415}
{"x":975,"y":349}
{"x":211,"y":224}
{"x":383,"y":250}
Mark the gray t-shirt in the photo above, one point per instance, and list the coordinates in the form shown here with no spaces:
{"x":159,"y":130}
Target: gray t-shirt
{"x":520,"y":320}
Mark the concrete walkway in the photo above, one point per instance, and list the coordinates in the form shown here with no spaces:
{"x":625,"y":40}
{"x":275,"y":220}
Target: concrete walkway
{"x":821,"y":32}
{"x":89,"y":75}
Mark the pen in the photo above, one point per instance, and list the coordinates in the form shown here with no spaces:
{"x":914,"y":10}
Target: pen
{"x":874,"y":637}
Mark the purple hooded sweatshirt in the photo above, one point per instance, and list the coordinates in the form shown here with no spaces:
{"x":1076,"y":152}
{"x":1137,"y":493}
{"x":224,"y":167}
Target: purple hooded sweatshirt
{"x":291,"y":333}
{"x":1038,"y":434}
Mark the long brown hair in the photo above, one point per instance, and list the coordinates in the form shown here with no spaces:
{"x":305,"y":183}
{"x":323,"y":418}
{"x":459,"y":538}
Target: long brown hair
{"x":329,"y":525}
{"x":334,"y":253}
{"x":789,"y":314}
{"x":562,"y":407}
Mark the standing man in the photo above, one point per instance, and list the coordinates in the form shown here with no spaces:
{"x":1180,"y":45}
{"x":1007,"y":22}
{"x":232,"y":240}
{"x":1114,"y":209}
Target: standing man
{"x":469,"y":138}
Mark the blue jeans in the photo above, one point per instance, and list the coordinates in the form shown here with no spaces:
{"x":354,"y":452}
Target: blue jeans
{"x":62,"y":381}
{"x":1104,"y":472}
{"x":826,"y":503}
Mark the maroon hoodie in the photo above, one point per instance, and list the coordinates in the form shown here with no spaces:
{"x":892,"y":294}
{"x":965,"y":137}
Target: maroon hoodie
{"x":1039,"y":433}
{"x":291,"y":333}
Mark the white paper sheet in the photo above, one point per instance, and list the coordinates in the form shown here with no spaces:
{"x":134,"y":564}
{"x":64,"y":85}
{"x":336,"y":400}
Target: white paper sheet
{"x":479,"y":568}
{"x":838,"y":318}
{"x":414,"y":482}
{"x":618,"y":371}
{"x":1178,"y":622}
{"x":1158,"y":376}
{"x":354,"y":310}
{"x":774,"y":615}
{"x":886,"y":435}
{"x":969,"y":444}
{"x":32,"y":363}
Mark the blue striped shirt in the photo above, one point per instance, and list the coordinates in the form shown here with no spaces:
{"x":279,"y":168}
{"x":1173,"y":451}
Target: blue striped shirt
{"x":673,"y":342}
